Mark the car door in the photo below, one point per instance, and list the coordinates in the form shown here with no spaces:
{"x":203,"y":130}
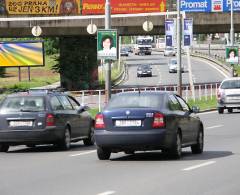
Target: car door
{"x":70,"y":114}
{"x":84,"y":119}
{"x":192,"y":121}
{"x":179,"y":118}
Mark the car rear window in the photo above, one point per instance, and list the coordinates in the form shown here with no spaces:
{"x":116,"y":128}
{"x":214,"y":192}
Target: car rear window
{"x":136,"y":100}
{"x":23,"y":103}
{"x":231,"y":84}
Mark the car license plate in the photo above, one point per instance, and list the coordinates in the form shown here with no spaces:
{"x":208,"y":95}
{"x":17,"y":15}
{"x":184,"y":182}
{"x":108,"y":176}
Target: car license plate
{"x":20,"y":123}
{"x":128,"y":123}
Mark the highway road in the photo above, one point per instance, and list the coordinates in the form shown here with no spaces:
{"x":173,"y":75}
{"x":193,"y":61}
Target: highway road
{"x":46,"y":171}
{"x":203,"y":71}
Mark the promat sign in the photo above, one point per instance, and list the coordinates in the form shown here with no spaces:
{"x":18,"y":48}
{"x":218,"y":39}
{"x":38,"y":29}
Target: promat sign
{"x":93,"y":7}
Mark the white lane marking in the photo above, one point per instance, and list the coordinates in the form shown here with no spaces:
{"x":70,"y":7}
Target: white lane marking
{"x":107,"y":193}
{"x":82,"y":153}
{"x":216,"y":126}
{"x":214,"y":66}
{"x":199,"y":166}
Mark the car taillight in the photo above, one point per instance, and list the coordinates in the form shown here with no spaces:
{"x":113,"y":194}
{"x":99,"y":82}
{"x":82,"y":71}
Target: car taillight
{"x":99,"y":123}
{"x":50,"y":120}
{"x":158,"y":120}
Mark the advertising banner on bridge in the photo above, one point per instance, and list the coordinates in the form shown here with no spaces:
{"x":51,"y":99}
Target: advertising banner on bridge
{"x":93,"y":7}
{"x":42,"y":7}
{"x":170,"y":31}
{"x":209,"y":5}
{"x":187,"y":31}
{"x":15,"y":54}
{"x":232,"y":54}
{"x":107,"y":44}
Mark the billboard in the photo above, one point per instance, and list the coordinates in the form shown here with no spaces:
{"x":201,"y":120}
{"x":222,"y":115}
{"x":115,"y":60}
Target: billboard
{"x":209,"y":5}
{"x":187,"y":31}
{"x":107,"y":44}
{"x":232,"y":54}
{"x":170,"y":31}
{"x":94,"y":7}
{"x":41,"y":7}
{"x":15,"y":54}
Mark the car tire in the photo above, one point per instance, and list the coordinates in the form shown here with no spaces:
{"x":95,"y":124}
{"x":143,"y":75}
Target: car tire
{"x":4,"y":147}
{"x":198,"y":148}
{"x":230,"y":110}
{"x":90,"y":140}
{"x":65,"y":143}
{"x":220,"y":110}
{"x":176,"y":150}
{"x":103,"y":154}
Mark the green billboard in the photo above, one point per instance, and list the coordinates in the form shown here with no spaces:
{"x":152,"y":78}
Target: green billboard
{"x":232,"y":54}
{"x":107,"y":44}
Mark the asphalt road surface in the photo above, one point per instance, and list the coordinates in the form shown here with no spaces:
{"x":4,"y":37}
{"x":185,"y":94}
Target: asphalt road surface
{"x":203,"y":71}
{"x":46,"y":171}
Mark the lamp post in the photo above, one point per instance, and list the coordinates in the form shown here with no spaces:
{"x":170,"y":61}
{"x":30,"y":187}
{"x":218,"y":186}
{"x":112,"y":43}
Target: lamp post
{"x":179,"y":49}
{"x":108,"y":63}
{"x":232,"y":26}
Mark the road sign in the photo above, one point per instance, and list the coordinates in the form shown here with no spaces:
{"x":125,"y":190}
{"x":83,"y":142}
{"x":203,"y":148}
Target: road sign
{"x":107,"y":44}
{"x":36,"y":31}
{"x":232,"y":56}
{"x":147,"y":26}
{"x":92,"y":28}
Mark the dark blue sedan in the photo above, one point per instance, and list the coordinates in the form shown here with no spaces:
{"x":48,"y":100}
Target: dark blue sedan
{"x":140,"y":121}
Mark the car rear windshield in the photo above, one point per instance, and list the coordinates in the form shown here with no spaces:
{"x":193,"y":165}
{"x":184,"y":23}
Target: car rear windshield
{"x":136,"y":100}
{"x":234,"y":84}
{"x":23,"y":103}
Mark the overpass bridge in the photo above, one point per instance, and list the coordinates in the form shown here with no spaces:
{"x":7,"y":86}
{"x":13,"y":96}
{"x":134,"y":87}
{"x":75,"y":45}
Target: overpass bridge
{"x":130,"y":24}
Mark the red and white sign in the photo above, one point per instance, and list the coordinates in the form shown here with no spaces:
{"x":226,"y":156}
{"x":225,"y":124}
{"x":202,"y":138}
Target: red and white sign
{"x":217,"y":5}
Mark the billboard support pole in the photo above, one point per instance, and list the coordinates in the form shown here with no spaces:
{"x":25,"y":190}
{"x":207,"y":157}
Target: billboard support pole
{"x":108,"y":62}
{"x":232,"y":26}
{"x":29,"y":76}
{"x":19,"y":74}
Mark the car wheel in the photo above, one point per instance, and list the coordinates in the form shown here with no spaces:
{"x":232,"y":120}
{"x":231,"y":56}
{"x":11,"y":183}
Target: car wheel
{"x":230,"y":110}
{"x":90,"y":140}
{"x":4,"y":147}
{"x":65,"y":143}
{"x":220,"y":110}
{"x":198,"y":148}
{"x":103,"y":154}
{"x":176,"y":150}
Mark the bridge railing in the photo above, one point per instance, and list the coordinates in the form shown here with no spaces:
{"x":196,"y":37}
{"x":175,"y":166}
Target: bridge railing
{"x":96,"y":98}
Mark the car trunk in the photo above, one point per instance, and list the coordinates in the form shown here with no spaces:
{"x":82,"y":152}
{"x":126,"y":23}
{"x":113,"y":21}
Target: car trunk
{"x":129,"y":119}
{"x":23,"y":121}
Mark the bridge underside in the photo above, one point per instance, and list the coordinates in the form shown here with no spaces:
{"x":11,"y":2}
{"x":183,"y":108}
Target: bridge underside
{"x":203,"y":23}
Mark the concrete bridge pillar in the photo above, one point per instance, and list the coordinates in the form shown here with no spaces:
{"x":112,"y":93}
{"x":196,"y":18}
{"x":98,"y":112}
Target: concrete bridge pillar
{"x":78,"y":62}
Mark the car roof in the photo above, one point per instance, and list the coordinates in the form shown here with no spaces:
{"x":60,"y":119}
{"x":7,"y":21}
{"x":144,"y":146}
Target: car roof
{"x":231,"y":79}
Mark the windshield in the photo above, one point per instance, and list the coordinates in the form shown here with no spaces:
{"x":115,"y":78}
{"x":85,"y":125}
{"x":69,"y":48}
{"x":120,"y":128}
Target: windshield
{"x":173,"y":61}
{"x":23,"y":104}
{"x":136,"y":100}
{"x":144,"y":42}
{"x":231,"y":84}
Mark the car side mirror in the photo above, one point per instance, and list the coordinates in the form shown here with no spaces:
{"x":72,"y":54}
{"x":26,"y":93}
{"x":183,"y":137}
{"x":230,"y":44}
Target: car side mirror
{"x":83,"y":108}
{"x":195,"y":109}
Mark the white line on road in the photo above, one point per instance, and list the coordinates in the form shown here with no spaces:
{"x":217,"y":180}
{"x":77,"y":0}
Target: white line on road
{"x":216,"y":126}
{"x":198,"y":166}
{"x":107,"y":193}
{"x":82,"y":153}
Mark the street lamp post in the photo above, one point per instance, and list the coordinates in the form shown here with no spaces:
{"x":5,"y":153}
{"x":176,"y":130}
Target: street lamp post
{"x":232,"y":26}
{"x":179,"y":49}
{"x":108,"y":63}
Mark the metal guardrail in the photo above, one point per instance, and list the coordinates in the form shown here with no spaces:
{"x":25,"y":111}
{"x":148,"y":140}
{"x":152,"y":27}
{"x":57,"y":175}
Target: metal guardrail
{"x":96,"y":98}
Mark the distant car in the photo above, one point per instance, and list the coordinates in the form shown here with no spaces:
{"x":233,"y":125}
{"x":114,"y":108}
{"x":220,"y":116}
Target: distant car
{"x":169,"y":51}
{"x":129,"y":49}
{"x":228,"y":95}
{"x":43,"y":117}
{"x":124,"y":52}
{"x":144,"y":70}
{"x":172,"y":66}
{"x":139,"y":121}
